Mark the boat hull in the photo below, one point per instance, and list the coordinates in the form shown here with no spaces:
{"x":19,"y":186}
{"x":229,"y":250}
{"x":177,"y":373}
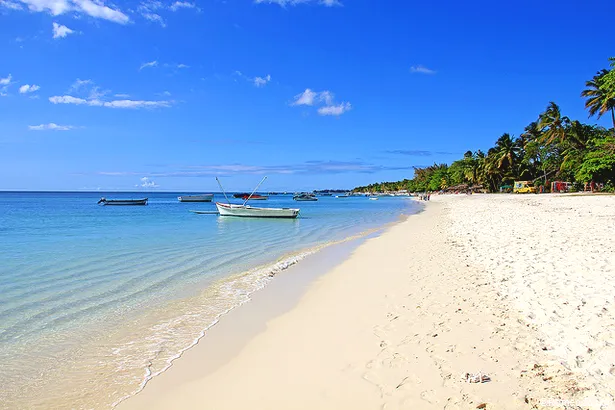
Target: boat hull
{"x":123,"y":202}
{"x":196,"y":198}
{"x":252,"y":212}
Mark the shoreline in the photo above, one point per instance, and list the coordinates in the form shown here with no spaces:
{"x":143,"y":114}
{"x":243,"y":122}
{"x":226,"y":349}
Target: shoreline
{"x":293,"y":271}
{"x":397,"y":324}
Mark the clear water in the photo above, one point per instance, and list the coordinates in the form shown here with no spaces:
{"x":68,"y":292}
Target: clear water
{"x":103,"y":298}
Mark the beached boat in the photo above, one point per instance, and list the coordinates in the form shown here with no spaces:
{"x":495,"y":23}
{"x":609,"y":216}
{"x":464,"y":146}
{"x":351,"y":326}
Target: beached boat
{"x":253,"y":212}
{"x":196,"y":198}
{"x":105,"y":201}
{"x":305,"y":197}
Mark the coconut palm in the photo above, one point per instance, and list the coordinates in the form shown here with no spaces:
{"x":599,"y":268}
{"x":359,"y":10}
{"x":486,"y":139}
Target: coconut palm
{"x":599,"y":100}
{"x":552,"y":124}
{"x":507,"y":152}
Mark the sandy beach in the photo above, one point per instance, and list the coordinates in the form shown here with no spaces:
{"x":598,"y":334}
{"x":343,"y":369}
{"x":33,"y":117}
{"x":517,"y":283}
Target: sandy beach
{"x":519,"y":289}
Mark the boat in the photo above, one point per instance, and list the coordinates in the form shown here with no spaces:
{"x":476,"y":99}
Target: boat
{"x":105,"y":201}
{"x":196,"y":198}
{"x":373,"y":198}
{"x":346,"y":195}
{"x":305,"y":197}
{"x":247,"y":211}
{"x":255,"y":197}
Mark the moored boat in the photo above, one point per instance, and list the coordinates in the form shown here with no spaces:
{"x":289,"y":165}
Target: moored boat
{"x":196,"y":198}
{"x":105,"y":201}
{"x":305,"y":197}
{"x":255,"y":197}
{"x":253,"y":212}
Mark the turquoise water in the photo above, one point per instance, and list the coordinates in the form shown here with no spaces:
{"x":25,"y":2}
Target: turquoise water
{"x":106,"y":297}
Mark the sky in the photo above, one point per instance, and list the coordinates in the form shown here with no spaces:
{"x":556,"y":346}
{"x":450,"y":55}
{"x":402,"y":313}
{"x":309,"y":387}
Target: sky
{"x":168,"y":94}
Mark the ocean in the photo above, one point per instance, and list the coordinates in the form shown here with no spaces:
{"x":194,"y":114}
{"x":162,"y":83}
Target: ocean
{"x":97,"y":300}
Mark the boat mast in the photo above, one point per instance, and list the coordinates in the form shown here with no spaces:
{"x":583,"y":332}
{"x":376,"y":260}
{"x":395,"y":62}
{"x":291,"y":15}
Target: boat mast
{"x":220,"y":185}
{"x":259,"y":184}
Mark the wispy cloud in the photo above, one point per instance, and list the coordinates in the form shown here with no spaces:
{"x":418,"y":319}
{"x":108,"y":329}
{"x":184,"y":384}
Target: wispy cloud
{"x":182,"y":5}
{"x":324,"y":98}
{"x":10,"y":5}
{"x":89,"y":94}
{"x":129,"y":104}
{"x":51,"y":127}
{"x":147,"y":183}
{"x":6,"y":80}
{"x":284,"y":3}
{"x":92,"y":8}
{"x":149,"y":64}
{"x":26,"y":88}
{"x":307,"y":167}
{"x":60,"y":31}
{"x":421,"y":69}
{"x":418,"y":152}
{"x":335,"y":110}
{"x":262,"y":81}
{"x":4,"y":85}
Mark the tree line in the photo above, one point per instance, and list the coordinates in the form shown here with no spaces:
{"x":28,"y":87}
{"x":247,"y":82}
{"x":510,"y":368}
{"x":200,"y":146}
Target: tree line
{"x":551,"y":148}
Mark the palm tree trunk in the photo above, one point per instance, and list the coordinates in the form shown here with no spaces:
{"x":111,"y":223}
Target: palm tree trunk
{"x":613,"y":116}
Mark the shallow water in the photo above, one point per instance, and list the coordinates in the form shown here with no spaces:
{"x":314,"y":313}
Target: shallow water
{"x":103,"y":298}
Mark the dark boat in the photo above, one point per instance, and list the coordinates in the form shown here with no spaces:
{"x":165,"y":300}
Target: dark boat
{"x":105,"y":201}
{"x":254,"y":197}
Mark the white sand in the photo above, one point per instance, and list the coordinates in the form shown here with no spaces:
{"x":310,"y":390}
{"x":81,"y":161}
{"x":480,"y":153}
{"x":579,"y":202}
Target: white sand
{"x":446,"y":292}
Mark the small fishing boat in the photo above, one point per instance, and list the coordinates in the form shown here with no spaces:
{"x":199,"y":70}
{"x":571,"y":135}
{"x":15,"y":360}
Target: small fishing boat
{"x":196,"y":198}
{"x":105,"y":201}
{"x":373,"y":198}
{"x":305,"y":197}
{"x":247,"y":211}
{"x":253,"y":212}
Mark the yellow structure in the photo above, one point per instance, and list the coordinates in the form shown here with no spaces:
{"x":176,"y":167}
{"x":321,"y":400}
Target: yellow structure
{"x":524,"y":187}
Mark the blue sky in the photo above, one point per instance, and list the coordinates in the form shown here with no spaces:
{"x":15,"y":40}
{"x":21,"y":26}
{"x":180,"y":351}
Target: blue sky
{"x":167,"y":94}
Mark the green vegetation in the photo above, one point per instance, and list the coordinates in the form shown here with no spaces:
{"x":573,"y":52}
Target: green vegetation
{"x":553,"y":147}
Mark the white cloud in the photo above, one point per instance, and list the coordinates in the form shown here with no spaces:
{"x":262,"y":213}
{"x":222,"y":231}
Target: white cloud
{"x":79,"y":84}
{"x":10,"y":5}
{"x":129,"y":104}
{"x":420,"y":69}
{"x":96,"y":9}
{"x":262,"y":81}
{"x":284,"y":3}
{"x":6,"y":80}
{"x":50,"y":127}
{"x":309,"y":97}
{"x":60,"y":31}
{"x":182,"y":66}
{"x":24,"y":89}
{"x":305,"y":98}
{"x":335,"y":110}
{"x":147,"y":183}
{"x":323,"y":98}
{"x":156,"y":18}
{"x":122,"y":95}
{"x":150,"y":64}
{"x":182,"y":5}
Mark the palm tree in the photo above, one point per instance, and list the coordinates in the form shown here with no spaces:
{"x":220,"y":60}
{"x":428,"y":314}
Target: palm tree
{"x":506,"y":152}
{"x":552,"y":124}
{"x":599,"y":100}
{"x":530,"y":134}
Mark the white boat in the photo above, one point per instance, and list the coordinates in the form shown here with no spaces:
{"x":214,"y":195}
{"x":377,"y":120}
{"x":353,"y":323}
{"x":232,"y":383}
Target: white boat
{"x":196,"y":198}
{"x":374,"y":198}
{"x":247,"y":211}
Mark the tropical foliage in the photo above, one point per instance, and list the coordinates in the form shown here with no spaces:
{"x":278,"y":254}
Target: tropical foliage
{"x":553,"y":147}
